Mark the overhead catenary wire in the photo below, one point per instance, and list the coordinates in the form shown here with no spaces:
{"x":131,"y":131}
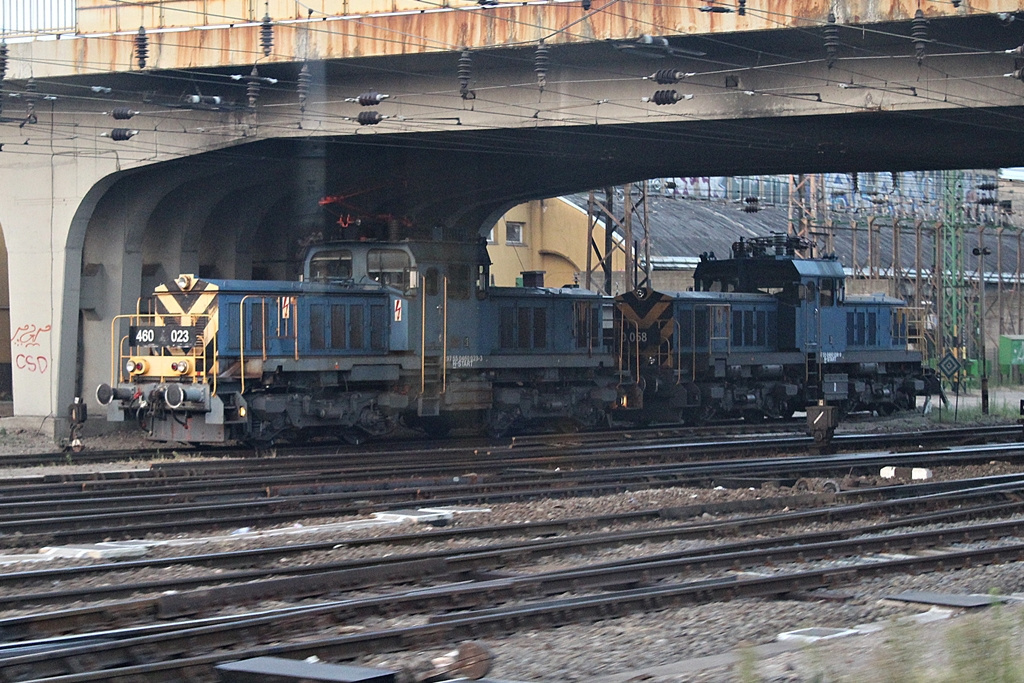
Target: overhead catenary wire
{"x":737,"y":67}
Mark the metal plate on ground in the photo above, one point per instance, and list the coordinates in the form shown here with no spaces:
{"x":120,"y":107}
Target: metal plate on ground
{"x":280,"y":670}
{"x":948,"y":599}
{"x":814,"y":634}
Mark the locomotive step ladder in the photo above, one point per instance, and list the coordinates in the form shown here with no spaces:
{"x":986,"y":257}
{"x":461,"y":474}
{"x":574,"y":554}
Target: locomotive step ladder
{"x":813,"y":375}
{"x":431,"y":387}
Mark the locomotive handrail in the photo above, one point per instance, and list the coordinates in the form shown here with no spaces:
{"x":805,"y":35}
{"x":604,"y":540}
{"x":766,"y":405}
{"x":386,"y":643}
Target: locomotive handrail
{"x":444,"y":335}
{"x":423,"y":342}
{"x":679,"y":350}
{"x":241,"y":332}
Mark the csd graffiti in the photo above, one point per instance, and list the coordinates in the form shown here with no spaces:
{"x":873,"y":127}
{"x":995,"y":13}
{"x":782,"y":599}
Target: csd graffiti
{"x":26,"y":341}
{"x":24,"y":361}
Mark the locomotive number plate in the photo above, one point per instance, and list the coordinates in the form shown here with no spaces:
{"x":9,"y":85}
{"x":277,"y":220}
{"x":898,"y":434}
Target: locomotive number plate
{"x":167,"y":335}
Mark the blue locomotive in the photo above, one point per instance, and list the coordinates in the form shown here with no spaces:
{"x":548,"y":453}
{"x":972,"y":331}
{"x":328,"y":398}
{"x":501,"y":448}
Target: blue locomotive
{"x":764,"y":334}
{"x":378,"y":334}
{"x":375,"y":334}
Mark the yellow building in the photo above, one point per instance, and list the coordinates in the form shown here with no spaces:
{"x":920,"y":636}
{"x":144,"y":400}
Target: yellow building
{"x":547,"y":235}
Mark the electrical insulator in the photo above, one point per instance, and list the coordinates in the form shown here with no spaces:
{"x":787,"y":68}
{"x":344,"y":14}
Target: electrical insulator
{"x":668,"y":76}
{"x":986,"y":201}
{"x":988,"y":186}
{"x":717,"y":9}
{"x":743,"y":8}
{"x":751,"y":205}
{"x":541,"y":60}
{"x":1018,"y":74}
{"x":856,"y":181}
{"x":252,"y":88}
{"x":831,"y":40}
{"x":666,"y":97}
{"x":368,"y":99}
{"x":919,"y":34}
{"x":267,"y":35}
{"x":1019,"y":50}
{"x":3,"y":60}
{"x":123,"y":113}
{"x":465,"y":72}
{"x":303,"y":88}
{"x":121,"y":134}
{"x":369,"y":118}
{"x":141,"y":47}
{"x":585,"y":5}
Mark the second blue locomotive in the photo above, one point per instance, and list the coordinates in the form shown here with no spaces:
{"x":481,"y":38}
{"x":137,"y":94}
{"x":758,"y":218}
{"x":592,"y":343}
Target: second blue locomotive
{"x":764,"y":334}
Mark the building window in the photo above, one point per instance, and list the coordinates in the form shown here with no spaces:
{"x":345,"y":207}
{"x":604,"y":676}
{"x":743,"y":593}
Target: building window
{"x":513,"y":233}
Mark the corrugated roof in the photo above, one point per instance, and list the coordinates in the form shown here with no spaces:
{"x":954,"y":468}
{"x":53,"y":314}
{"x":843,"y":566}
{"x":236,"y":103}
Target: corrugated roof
{"x":683,"y":228}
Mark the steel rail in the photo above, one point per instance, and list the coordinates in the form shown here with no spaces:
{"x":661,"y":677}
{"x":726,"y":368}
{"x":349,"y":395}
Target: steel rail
{"x":100,"y":522}
{"x":123,"y":649}
{"x":319,"y":578}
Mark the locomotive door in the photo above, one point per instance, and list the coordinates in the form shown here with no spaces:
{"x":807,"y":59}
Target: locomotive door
{"x":433,"y":337}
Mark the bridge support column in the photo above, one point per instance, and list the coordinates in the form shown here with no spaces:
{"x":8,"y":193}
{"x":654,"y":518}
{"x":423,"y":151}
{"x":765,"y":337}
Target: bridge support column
{"x":39,"y":202}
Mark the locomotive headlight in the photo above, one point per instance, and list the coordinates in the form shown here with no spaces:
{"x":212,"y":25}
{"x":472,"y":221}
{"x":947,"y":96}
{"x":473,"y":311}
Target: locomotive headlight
{"x":135,"y":367}
{"x":179,"y":366}
{"x":184,"y":282}
{"x":129,"y":367}
{"x":242,"y":411}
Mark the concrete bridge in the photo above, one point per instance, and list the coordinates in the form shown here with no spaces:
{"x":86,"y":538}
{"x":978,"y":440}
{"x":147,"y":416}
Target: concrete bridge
{"x":218,"y":137}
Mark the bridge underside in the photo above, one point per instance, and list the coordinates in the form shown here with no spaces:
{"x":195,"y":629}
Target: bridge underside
{"x":236,"y":191}
{"x":465,"y":181}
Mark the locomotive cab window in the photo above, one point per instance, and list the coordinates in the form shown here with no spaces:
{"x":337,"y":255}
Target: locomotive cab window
{"x":827,"y":292}
{"x":390,"y":267}
{"x":334,"y":264}
{"x":432,"y":282}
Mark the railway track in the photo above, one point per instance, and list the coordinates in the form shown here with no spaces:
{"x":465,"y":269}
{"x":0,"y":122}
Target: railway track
{"x":77,"y":513}
{"x":468,"y":582}
{"x":464,"y":608}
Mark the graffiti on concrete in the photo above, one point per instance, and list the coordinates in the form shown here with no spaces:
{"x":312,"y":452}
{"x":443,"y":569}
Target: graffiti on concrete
{"x":27,"y":338}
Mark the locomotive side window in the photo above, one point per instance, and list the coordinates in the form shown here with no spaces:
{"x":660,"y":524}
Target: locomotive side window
{"x":523,"y":338}
{"x":356,"y":327}
{"x":540,"y":328}
{"x":523,"y":327}
{"x":432,"y":281}
{"x":828,"y":294}
{"x":507,"y":328}
{"x":378,"y":327}
{"x":459,"y":284}
{"x":334,"y":264}
{"x":257,"y":325}
{"x":389,"y":267}
{"x":872,"y":329}
{"x":317,"y":327}
{"x":737,"y":328}
{"x":586,"y":325}
{"x":338,"y":328}
{"x":700,"y":326}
